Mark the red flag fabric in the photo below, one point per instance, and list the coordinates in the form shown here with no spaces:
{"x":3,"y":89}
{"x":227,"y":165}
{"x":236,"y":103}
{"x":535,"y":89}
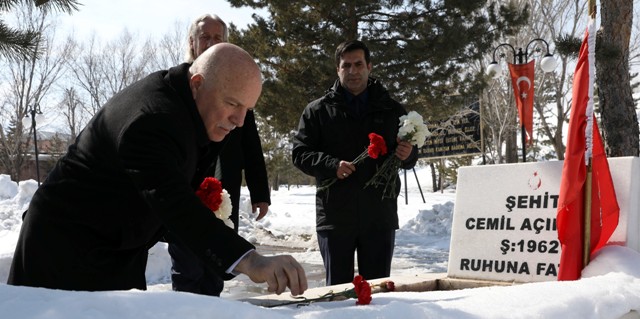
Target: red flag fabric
{"x":584,"y":143}
{"x":522,"y":76}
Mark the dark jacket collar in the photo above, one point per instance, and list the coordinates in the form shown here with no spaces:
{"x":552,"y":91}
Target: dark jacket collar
{"x":178,"y":78}
{"x":349,"y":97}
{"x":375,"y":92}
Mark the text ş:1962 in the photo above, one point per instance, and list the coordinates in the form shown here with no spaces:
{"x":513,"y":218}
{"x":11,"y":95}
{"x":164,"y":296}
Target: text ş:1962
{"x":531,"y":246}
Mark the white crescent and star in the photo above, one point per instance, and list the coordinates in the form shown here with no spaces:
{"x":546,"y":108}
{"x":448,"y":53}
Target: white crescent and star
{"x":525,"y":79}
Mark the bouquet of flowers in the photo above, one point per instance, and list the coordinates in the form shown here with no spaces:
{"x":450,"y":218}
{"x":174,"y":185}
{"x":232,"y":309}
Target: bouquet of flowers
{"x":216,"y":199}
{"x":361,"y":290}
{"x":413,"y":130}
{"x":376,"y":147}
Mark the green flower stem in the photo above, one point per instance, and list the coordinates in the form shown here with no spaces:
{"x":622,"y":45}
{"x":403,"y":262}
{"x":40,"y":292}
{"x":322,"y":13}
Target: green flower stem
{"x":386,"y":176}
{"x":330,"y":296}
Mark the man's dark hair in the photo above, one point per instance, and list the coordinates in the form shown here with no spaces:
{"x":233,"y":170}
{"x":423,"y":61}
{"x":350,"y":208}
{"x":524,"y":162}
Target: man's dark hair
{"x":349,"y":46}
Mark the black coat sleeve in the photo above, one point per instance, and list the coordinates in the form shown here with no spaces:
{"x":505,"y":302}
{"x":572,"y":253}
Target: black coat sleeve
{"x":307,"y":144}
{"x":255,"y":170}
{"x":159,"y":155}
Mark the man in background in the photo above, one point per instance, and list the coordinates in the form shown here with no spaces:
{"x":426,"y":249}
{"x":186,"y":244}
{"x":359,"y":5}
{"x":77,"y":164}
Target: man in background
{"x":333,"y":130}
{"x":242,"y":151}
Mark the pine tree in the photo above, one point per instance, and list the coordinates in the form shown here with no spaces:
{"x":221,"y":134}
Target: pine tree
{"x":13,"y":150}
{"x":15,"y":43}
{"x":419,"y":48}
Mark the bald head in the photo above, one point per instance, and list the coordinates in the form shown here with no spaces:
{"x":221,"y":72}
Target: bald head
{"x":224,"y":61}
{"x":225,"y":83}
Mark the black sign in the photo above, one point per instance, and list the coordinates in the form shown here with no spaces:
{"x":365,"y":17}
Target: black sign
{"x":456,"y":136}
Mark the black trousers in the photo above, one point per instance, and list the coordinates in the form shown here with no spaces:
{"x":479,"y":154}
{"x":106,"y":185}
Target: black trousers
{"x":190,"y":274}
{"x":374,"y":248}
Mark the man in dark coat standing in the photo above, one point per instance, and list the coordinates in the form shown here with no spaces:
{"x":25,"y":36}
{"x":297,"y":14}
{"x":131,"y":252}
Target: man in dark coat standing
{"x":332,"y":132}
{"x":127,"y":179}
{"x":242,"y":151}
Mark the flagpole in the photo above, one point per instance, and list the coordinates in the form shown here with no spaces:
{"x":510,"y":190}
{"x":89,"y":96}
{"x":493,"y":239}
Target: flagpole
{"x":586,"y":254}
{"x":524,"y":140}
{"x":587,"y":217}
{"x":523,"y":130}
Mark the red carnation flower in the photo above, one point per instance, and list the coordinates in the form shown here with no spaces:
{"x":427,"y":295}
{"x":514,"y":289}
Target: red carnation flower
{"x":363,"y":290}
{"x":377,"y":146}
{"x":210,"y":193}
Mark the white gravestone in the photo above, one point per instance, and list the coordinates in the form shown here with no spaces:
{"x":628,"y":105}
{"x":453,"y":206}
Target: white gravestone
{"x":504,"y":224}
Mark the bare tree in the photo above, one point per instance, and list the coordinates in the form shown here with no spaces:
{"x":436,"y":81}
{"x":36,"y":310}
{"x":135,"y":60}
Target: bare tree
{"x":125,"y":60}
{"x":71,"y":108}
{"x":498,"y":115}
{"x":499,"y":110}
{"x":30,"y":83}
{"x":102,"y":70}
{"x":565,"y":19}
{"x":88,"y":72}
{"x":169,"y":50}
{"x":550,"y":20}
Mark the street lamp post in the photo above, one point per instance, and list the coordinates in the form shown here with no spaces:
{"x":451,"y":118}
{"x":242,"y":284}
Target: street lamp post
{"x":547,"y":64}
{"x":34,"y":111}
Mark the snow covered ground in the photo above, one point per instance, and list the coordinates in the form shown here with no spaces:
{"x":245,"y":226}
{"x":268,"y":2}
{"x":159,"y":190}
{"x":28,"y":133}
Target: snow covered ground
{"x":610,"y":287}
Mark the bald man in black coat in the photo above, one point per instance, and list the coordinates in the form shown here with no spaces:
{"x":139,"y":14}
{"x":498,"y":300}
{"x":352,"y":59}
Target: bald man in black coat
{"x":127,"y":178}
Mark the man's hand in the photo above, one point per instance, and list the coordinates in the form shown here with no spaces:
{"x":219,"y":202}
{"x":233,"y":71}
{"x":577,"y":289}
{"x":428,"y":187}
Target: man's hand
{"x":403,"y":150}
{"x":345,"y":169}
{"x":279,"y":272}
{"x":263,"y":207}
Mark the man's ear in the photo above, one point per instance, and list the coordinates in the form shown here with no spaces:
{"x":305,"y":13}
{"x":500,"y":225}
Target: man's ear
{"x":195,"y":83}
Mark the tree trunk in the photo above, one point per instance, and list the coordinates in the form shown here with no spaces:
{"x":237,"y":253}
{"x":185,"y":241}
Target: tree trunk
{"x":619,"y":118}
{"x":511,"y":151}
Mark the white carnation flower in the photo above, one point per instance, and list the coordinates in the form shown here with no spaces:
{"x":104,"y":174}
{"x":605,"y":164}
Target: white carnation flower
{"x":224,"y":212}
{"x":413,"y":129}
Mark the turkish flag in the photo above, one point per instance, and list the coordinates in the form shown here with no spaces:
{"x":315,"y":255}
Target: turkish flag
{"x":522,"y":76}
{"x":584,"y":143}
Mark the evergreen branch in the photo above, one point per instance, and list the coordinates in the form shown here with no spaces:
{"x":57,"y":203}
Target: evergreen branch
{"x":68,"y":6}
{"x":16,"y":44}
{"x":9,"y":4}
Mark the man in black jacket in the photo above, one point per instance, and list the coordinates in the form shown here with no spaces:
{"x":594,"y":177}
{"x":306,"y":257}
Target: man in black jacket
{"x":127,"y":178}
{"x":333,"y":130}
{"x":242,"y":151}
